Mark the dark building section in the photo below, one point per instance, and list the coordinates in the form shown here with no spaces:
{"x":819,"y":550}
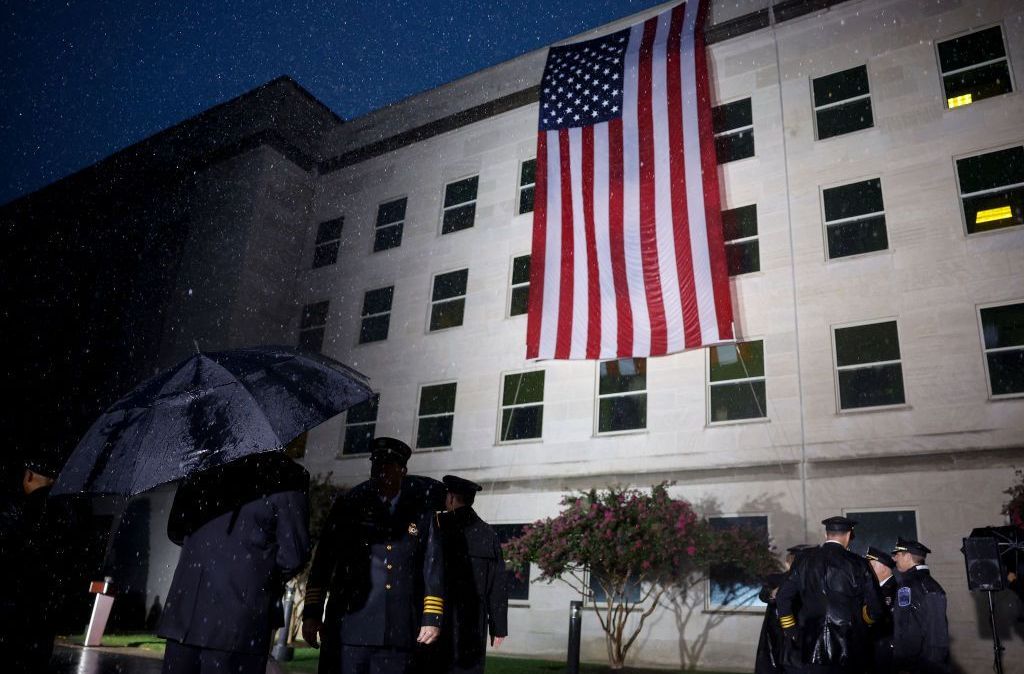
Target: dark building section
{"x":190,"y":237}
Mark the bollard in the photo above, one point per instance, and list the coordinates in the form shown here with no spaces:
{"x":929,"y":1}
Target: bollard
{"x":281,"y":651}
{"x":572,"y":660}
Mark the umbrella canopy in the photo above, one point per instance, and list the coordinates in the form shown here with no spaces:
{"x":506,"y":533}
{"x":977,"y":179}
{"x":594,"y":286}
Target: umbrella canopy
{"x":207,"y":411}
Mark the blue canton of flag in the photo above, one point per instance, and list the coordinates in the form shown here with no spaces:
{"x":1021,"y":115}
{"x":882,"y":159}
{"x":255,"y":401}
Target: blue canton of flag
{"x":582,"y":83}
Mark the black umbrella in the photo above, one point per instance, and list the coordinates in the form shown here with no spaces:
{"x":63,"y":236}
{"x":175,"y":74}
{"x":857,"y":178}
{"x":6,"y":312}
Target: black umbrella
{"x":207,"y":411}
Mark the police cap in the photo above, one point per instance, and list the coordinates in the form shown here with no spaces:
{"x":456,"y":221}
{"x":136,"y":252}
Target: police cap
{"x":875,"y":555}
{"x":911,"y":546}
{"x":839,"y":524}
{"x":390,"y":450}
{"x":458,"y":485}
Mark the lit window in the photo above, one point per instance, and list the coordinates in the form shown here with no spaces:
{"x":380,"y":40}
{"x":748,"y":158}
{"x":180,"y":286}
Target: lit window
{"x":376,"y":315}
{"x":734,"y":131}
{"x":855,"y":219}
{"x":868,"y":367}
{"x":1002,"y":330}
{"x":448,"y":301}
{"x":736,"y":387}
{"x":992,"y":189}
{"x":974,"y":67}
{"x":518,"y":588}
{"x":527,"y":181}
{"x":742,"y":250}
{"x":459,"y":205}
{"x":882,"y":529}
{"x":312,"y":326}
{"x":390,"y":223}
{"x":622,"y":395}
{"x":522,"y":406}
{"x":436,"y":416}
{"x":328,"y":240}
{"x":519,"y":298}
{"x":842,"y":102}
{"x":728,"y":585}
{"x":360,"y":426}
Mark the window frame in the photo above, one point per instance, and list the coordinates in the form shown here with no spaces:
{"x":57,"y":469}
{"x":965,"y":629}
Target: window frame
{"x":744,"y":239}
{"x":815,"y":108}
{"x":708,"y":384}
{"x":445,"y":209}
{"x":835,"y":366}
{"x":502,"y":406}
{"x":598,"y":397}
{"x":377,"y":227}
{"x":961,"y":196}
{"x":984,"y":351}
{"x":416,"y":424}
{"x":341,"y":456}
{"x":590,"y":601}
{"x":733,"y":608}
{"x":336,"y":242}
{"x":512,"y":286}
{"x":431,"y":302}
{"x":964,"y":33}
{"x":521,"y":187}
{"x":363,"y":317}
{"x":825,"y":223}
{"x":737,"y":130}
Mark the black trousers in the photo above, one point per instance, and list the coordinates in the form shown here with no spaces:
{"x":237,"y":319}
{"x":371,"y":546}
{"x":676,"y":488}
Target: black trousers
{"x":182,"y":658}
{"x":375,"y":660}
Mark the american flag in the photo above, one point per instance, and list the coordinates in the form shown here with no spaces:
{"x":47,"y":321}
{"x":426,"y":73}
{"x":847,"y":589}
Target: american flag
{"x":628,"y":257}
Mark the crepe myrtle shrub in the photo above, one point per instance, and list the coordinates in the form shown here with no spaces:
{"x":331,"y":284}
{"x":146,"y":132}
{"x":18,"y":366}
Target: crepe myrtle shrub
{"x":626,"y":537}
{"x":1014,"y":508}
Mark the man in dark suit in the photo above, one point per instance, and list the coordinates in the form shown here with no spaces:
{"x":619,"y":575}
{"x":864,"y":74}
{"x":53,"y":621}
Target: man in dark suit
{"x":244,"y":531}
{"x":477,"y":592}
{"x":381,"y":558}
{"x":881,"y":631}
{"x":920,"y":629}
{"x":838,"y":597}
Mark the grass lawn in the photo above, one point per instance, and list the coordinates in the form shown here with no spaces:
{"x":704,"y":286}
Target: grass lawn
{"x":145,"y":641}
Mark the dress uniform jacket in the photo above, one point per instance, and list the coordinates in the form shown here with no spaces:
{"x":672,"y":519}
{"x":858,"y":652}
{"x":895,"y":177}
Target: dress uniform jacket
{"x":920,"y":630}
{"x":477,"y":591}
{"x":236,"y":556}
{"x":881,"y":630}
{"x":774,"y":652}
{"x":838,"y":596}
{"x":384,"y":570}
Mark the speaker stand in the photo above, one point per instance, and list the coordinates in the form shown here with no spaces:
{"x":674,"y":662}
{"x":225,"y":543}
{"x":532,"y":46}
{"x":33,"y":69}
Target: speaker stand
{"x":997,"y":647}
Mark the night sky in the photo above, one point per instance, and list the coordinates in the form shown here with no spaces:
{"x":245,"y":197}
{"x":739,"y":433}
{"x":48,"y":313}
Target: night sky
{"x":81,"y":80}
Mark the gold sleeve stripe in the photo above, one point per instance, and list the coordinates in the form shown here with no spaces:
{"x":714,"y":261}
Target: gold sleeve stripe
{"x":787,"y":621}
{"x":867,"y":618}
{"x":439,"y":607}
{"x":433,"y":611}
{"x":430,"y":596}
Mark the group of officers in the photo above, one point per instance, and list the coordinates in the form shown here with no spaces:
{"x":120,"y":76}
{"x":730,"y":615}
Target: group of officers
{"x":837,"y":612}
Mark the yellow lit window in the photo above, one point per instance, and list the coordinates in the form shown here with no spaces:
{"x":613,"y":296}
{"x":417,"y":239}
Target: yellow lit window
{"x":993,"y":214}
{"x":957,"y":101}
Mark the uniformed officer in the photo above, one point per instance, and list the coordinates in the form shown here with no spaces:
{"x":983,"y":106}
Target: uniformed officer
{"x":381,"y":557}
{"x":881,"y":632}
{"x":476,"y":581}
{"x":774,"y":654}
{"x":920,"y":630}
{"x":838,"y":597}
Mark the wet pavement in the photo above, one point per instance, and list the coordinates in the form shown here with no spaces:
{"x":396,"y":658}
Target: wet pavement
{"x":102,"y":661}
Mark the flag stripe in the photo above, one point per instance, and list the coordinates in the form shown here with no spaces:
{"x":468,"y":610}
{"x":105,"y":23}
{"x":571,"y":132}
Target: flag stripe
{"x":602,"y":235}
{"x":565,"y":308}
{"x":593,"y":335}
{"x":631,"y":216}
{"x":580,"y":264}
{"x":617,"y":234}
{"x":553,"y":262}
{"x":540,"y":203}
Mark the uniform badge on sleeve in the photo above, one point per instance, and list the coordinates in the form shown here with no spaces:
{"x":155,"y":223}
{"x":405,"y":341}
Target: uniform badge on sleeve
{"x":903,"y":597}
{"x":413,"y":529}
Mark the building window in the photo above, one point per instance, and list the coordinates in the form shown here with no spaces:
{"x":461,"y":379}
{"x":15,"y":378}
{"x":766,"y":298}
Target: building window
{"x":448,"y":301}
{"x":459,"y":205}
{"x":842,"y":102}
{"x":736,"y":382}
{"x":1002,"y":331}
{"x":734,"y":131}
{"x":518,"y":578}
{"x":527,"y":181}
{"x":328,"y":240}
{"x":742,"y":250}
{"x":390,"y":222}
{"x":992,"y":189}
{"x":855,"y":219}
{"x":632,"y":593}
{"x":522,"y":406}
{"x":728,"y":585}
{"x":868,"y":369}
{"x":376,"y":315}
{"x":312,"y":326}
{"x":974,"y":67}
{"x":881,"y":529}
{"x":436,"y":416}
{"x":519,"y":298}
{"x":622,"y":395}
{"x":360,"y":426}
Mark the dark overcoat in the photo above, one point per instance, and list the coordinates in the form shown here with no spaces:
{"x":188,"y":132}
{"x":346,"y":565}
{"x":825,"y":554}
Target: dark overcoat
{"x":881,"y":631}
{"x":477,"y":590}
{"x":838,"y":597}
{"x":238,"y":548}
{"x":920,"y":630}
